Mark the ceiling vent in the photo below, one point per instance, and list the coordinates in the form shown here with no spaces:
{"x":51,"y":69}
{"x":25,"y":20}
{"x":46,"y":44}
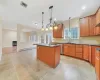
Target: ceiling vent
{"x":23,"y":4}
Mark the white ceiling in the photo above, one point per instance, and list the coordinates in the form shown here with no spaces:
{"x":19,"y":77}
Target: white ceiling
{"x":11,"y":10}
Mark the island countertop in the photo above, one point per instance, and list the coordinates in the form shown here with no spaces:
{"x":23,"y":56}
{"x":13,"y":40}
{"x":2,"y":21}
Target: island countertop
{"x":48,"y":45}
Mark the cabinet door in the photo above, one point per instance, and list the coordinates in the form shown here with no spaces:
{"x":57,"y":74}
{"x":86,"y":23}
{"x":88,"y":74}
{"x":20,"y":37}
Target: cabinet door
{"x":90,"y":57}
{"x":66,"y":50}
{"x":84,"y":27}
{"x":93,"y":50}
{"x":58,"y":33}
{"x":86,"y":52}
{"x":97,"y":64}
{"x":98,"y":16}
{"x":72,"y":50}
{"x":79,"y":55}
{"x":97,"y":30}
{"x":92,"y":24}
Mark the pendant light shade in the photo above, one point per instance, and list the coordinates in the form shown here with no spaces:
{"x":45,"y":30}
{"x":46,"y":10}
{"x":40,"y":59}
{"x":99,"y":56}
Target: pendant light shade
{"x":46,"y":29}
{"x":55,"y":27}
{"x":51,"y":28}
{"x":42,"y":29}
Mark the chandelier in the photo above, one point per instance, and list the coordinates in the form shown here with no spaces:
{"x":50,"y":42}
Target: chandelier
{"x":52,"y":25}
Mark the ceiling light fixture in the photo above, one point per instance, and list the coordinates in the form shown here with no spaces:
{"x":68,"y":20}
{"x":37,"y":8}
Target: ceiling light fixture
{"x":36,"y":24}
{"x":46,"y":29}
{"x":51,"y":28}
{"x":83,"y":7}
{"x":55,"y":19}
{"x":52,"y":24}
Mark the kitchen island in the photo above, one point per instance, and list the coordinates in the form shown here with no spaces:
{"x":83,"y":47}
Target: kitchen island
{"x":49,"y":54}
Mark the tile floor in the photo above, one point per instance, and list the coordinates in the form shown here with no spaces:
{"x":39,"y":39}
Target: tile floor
{"x":24,"y":66}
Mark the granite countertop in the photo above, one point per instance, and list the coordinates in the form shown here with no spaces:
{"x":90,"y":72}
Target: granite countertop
{"x":77,"y":43}
{"x":48,"y":45}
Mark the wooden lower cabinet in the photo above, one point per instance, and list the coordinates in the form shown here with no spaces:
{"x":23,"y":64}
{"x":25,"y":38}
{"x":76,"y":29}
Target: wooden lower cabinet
{"x":49,"y":55}
{"x":79,"y":51}
{"x":90,"y":57}
{"x":86,"y":52}
{"x":93,"y":50}
{"x":97,"y":64}
{"x":79,"y":55}
{"x":72,"y":50}
{"x":69,"y":50}
{"x":66,"y":49}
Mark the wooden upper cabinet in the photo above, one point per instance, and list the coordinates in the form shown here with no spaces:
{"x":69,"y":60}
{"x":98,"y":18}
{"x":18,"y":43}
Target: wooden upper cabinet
{"x":58,"y":33}
{"x":84,"y":27}
{"x":97,"y":29}
{"x":92,"y":24}
{"x":98,"y":16}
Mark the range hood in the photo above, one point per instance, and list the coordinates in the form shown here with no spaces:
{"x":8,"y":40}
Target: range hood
{"x":98,"y":25}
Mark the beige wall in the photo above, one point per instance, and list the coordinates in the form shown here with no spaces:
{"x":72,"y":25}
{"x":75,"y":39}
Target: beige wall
{"x":8,"y":36}
{"x":0,"y":40}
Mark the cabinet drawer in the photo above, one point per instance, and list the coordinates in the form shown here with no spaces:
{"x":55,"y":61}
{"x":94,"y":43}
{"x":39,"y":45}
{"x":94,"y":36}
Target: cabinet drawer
{"x":78,"y":46}
{"x":79,"y":55}
{"x":79,"y":50}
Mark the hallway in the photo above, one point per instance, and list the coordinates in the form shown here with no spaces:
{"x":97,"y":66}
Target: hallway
{"x":24,"y":66}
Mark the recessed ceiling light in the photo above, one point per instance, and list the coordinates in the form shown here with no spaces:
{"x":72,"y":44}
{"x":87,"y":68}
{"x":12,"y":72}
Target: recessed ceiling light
{"x":55,"y":19}
{"x":83,"y":7}
{"x":36,"y":24}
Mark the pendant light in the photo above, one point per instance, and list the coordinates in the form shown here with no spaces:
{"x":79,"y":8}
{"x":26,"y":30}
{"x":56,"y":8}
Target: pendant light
{"x":42,"y":22}
{"x":50,"y":8}
{"x":52,"y":24}
{"x":69,"y":33}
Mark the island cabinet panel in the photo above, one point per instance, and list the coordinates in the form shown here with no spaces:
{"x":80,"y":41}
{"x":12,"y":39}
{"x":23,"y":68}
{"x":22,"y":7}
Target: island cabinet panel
{"x":98,"y":16}
{"x":49,"y":55}
{"x":92,"y":24}
{"x":97,"y":64}
{"x":58,"y":33}
{"x":57,"y":55}
{"x":84,"y":27}
{"x":86,"y":52}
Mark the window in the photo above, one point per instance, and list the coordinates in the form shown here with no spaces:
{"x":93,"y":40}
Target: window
{"x":49,"y":38}
{"x":72,"y":33}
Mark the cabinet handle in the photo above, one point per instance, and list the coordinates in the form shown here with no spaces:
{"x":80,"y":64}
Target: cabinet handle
{"x":97,"y":58}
